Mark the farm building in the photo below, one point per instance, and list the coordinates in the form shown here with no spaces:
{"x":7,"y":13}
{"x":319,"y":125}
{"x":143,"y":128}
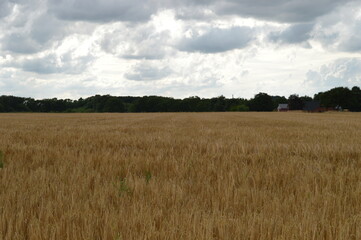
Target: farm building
{"x":283,"y":107}
{"x":313,"y":106}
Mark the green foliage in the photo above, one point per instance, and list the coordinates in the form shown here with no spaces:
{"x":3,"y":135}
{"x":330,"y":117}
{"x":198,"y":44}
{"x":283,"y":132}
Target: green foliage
{"x":239,"y":108}
{"x":341,"y":97}
{"x":262,"y":102}
{"x":118,"y":237}
{"x":355,"y":103}
{"x":155,"y":104}
{"x":123,"y":187}
{"x":79,"y":110}
{"x":148,"y":176}
{"x":113,"y":104}
{"x":295,"y":102}
{"x":2,"y":109}
{"x":336,"y":97}
{"x":278,"y":100}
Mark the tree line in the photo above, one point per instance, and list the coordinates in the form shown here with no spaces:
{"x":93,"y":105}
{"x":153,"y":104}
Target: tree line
{"x":334,"y":98}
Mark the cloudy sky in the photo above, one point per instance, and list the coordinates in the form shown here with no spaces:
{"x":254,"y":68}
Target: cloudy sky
{"x":178,"y":48}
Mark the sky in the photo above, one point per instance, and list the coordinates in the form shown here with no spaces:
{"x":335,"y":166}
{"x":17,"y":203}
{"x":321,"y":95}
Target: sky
{"x":178,"y":48}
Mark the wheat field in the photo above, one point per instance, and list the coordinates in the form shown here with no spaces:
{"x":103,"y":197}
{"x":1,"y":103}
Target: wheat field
{"x":180,"y":176}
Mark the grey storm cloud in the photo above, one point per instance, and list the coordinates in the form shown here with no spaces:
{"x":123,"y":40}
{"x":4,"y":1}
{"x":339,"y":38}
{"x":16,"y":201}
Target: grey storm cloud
{"x":297,"y":33}
{"x":47,"y":37}
{"x":43,"y":65}
{"x":38,"y":35}
{"x":52,"y":64}
{"x":148,"y":72}
{"x":141,"y":10}
{"x":102,"y":10}
{"x":51,"y":21}
{"x":5,"y":8}
{"x":20,"y":43}
{"x":276,"y":10}
{"x":352,"y":44}
{"x":217,"y":40}
{"x":279,"y":10}
{"x":46,"y":28}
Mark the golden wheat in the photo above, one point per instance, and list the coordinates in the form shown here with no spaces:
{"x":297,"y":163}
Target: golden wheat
{"x":180,"y":176}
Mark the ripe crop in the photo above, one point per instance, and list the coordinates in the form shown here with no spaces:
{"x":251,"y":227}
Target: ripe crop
{"x":180,"y":176}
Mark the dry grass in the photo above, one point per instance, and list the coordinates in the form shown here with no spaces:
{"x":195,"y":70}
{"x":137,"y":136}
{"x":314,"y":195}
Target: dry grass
{"x":180,"y":176}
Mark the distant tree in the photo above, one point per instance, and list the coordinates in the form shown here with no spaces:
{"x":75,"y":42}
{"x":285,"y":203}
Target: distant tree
{"x":278,"y":100}
{"x":239,"y":108}
{"x":50,"y":105}
{"x":155,"y":104}
{"x":13,"y":104}
{"x":113,"y":104}
{"x":219,"y":104}
{"x":237,"y":104}
{"x":190,"y":104}
{"x":32,"y":105}
{"x":355,"y":104}
{"x":306,"y":99}
{"x":204,"y":105}
{"x":295,"y":102}
{"x":340,"y":96}
{"x":261,"y":102}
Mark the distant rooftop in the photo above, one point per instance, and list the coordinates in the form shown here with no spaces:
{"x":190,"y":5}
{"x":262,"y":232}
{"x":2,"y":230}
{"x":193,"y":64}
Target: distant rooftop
{"x":282,"y":106}
{"x":311,"y":105}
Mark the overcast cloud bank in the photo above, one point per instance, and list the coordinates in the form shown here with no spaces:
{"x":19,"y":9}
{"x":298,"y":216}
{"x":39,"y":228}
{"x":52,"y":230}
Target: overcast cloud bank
{"x":177,"y":48}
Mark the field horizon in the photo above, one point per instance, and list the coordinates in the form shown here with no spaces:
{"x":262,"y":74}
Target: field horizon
{"x":231,"y":175}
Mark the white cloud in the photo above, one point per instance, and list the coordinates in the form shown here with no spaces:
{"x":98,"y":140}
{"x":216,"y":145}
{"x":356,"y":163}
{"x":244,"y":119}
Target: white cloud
{"x":51,"y":64}
{"x":203,"y":47}
{"x":344,"y":72}
{"x":147,"y":71}
{"x":141,"y":42}
{"x":341,"y":29}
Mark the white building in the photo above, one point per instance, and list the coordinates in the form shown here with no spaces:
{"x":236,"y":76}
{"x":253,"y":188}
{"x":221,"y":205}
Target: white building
{"x":283,"y":107}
